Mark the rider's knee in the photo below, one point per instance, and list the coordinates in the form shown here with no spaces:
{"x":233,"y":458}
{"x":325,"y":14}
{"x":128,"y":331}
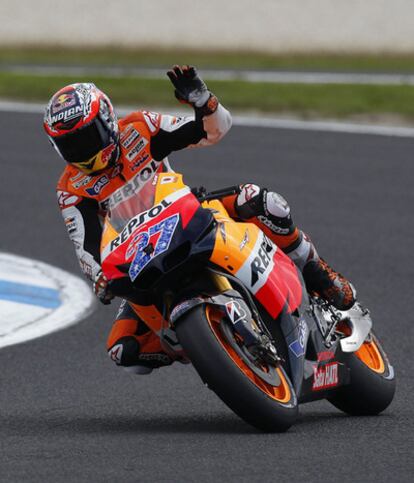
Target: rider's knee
{"x":125,"y":351}
{"x":268,"y":207}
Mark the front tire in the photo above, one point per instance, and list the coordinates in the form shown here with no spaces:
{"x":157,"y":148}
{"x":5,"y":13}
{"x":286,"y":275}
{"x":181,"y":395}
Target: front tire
{"x":223,"y":368}
{"x":372,"y":385}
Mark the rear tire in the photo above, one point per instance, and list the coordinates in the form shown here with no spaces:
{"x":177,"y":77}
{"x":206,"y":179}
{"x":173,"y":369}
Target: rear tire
{"x":265,"y":406}
{"x":372,"y":384}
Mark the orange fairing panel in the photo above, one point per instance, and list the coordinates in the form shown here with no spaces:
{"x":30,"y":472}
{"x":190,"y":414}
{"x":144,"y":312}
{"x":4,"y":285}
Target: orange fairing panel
{"x":244,"y":251}
{"x":108,"y":234}
{"x":150,"y":315}
{"x":234,"y":243}
{"x":167,"y":183}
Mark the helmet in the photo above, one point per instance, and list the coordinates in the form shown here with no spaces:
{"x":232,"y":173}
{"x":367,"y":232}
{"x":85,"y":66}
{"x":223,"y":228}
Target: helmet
{"x":81,"y":125}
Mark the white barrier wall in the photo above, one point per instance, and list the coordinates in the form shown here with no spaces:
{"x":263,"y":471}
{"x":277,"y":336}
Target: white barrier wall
{"x":269,"y":25}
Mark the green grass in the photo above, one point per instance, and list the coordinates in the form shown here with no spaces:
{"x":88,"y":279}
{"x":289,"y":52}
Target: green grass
{"x":302,"y":99}
{"x":248,"y":60}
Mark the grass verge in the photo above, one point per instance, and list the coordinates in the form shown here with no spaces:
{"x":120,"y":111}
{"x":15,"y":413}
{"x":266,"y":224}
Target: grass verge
{"x":305,"y":100}
{"x":232,"y":60}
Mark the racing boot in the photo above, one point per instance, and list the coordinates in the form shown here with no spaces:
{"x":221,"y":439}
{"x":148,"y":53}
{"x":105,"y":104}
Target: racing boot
{"x":147,"y":362}
{"x":328,"y":284}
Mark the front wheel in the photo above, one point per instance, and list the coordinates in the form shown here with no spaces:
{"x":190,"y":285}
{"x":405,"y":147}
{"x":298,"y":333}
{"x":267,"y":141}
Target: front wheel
{"x":372,"y":384}
{"x":261,"y":395}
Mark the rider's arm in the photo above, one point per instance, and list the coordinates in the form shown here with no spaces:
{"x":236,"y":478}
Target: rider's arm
{"x":84,"y":229}
{"x":177,"y":133}
{"x":210,"y":122}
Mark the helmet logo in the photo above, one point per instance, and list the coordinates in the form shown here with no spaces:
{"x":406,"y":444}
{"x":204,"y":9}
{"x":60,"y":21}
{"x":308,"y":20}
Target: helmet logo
{"x":63,"y":101}
{"x":68,"y":115}
{"x":66,"y":109}
{"x":107,"y":153}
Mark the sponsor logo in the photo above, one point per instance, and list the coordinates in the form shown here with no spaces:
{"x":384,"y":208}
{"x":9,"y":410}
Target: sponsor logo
{"x":64,"y":101}
{"x":86,"y":268}
{"x":245,"y":240}
{"x":82,"y":181}
{"x":275,"y":229}
{"x":298,"y":345}
{"x":152,"y":120}
{"x":184,"y":307}
{"x":261,"y":262}
{"x":98,"y":186}
{"x":168,"y":179}
{"x":235,"y":311}
{"x":248,"y":192}
{"x":303,"y":332}
{"x":171,"y":124}
{"x":155,"y":356}
{"x":136,"y":221}
{"x":116,"y":353}
{"x":325,"y":376}
{"x":70,"y":225}
{"x":121,"y":309}
{"x":138,"y":162}
{"x":66,"y":200}
{"x":133,"y":153}
{"x":132,"y":187}
{"x":178,"y":121}
{"x":107,"y":153}
{"x":132,"y":136}
{"x":68,"y":114}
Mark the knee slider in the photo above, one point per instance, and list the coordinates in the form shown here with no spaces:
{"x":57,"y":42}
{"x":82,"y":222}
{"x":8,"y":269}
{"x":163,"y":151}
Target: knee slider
{"x":125,"y":352}
{"x":276,"y":205}
{"x":276,"y":215}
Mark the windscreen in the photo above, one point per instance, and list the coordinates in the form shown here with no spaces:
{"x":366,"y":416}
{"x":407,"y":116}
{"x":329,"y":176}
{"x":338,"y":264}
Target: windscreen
{"x":130,"y":200}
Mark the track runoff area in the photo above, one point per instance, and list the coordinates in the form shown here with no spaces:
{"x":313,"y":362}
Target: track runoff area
{"x":37,"y":299}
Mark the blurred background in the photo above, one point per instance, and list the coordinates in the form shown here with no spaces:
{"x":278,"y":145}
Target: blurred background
{"x":67,"y":412}
{"x":308,"y":59}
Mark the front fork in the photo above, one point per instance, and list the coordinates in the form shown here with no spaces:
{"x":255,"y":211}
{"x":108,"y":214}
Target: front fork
{"x":248,"y":327}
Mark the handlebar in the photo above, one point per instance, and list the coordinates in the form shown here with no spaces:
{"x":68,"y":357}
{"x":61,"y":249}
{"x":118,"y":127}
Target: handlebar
{"x":203,"y":195}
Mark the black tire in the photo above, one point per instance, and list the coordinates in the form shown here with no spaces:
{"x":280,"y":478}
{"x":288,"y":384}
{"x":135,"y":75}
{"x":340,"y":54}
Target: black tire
{"x":221,"y":373}
{"x":369,"y":392}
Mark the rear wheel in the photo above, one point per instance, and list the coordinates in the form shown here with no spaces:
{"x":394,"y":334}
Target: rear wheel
{"x":262,"y":394}
{"x":372,"y":385}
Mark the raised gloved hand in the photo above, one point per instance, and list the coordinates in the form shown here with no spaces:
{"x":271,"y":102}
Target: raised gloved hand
{"x":101,"y":289}
{"x":189,"y":87}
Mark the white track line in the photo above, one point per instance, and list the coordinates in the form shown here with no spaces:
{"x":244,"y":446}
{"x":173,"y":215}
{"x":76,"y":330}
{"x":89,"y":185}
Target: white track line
{"x":278,"y":77}
{"x":255,"y":121}
{"x":20,"y":322}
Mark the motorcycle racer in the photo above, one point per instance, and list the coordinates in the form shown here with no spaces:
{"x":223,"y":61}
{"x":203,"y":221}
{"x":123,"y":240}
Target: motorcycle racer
{"x":106,"y":158}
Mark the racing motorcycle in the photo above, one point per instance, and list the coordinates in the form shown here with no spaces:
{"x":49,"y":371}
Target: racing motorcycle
{"x":222,"y":296}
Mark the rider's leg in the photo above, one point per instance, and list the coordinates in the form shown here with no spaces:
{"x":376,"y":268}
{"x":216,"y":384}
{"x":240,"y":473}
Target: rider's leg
{"x":133,"y":345}
{"x":271,"y":213}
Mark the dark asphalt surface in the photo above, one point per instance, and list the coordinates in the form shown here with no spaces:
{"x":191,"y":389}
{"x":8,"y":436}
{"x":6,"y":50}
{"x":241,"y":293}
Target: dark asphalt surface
{"x":68,"y":414}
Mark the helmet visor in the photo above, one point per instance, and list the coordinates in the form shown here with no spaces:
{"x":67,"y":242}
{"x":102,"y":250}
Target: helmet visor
{"x":84,"y":143}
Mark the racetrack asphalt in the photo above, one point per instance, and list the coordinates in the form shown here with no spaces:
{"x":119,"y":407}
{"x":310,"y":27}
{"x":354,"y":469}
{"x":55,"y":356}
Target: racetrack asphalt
{"x":68,"y":414}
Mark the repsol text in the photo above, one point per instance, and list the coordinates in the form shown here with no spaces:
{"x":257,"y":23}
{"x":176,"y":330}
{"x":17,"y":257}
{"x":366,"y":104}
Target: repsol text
{"x":138,"y":220}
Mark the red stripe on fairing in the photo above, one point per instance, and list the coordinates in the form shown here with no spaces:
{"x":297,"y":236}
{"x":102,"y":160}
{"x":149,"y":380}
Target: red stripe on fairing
{"x":186,"y":206}
{"x":282,"y":286}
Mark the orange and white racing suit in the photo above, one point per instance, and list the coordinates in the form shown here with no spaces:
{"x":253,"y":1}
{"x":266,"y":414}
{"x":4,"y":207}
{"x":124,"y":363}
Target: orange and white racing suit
{"x":146,"y":139}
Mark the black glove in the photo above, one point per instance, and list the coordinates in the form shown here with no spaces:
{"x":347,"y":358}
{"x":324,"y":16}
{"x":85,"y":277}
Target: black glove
{"x":189,"y":87}
{"x":101,"y":289}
